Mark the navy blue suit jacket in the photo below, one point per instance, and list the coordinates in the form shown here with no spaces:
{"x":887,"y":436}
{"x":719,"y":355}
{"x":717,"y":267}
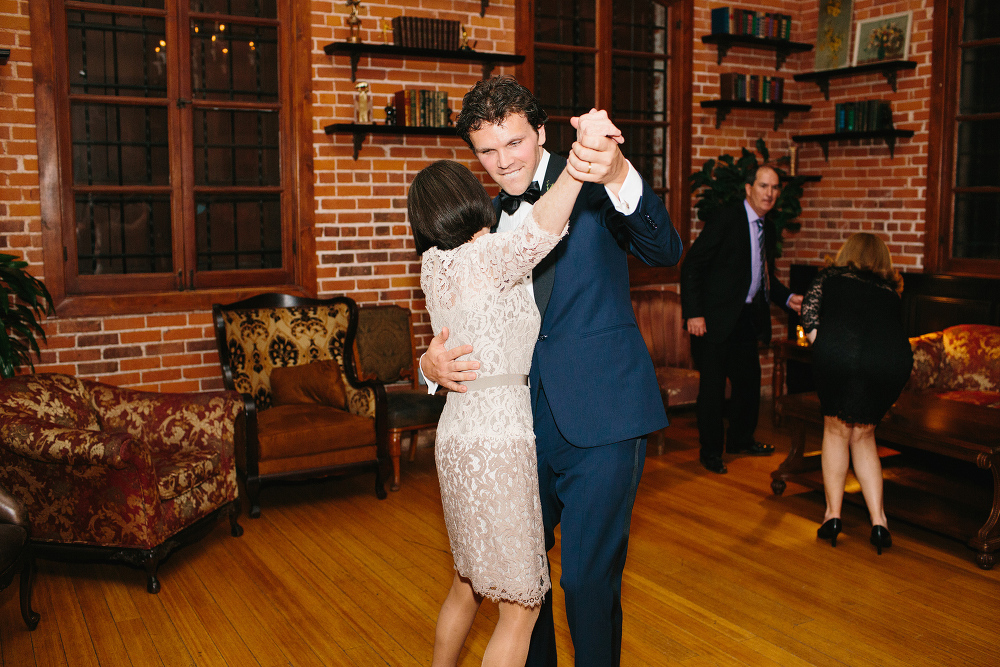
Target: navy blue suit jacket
{"x":590,"y":355}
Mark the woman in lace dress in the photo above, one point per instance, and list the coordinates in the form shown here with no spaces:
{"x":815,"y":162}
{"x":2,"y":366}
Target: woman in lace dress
{"x":861,"y":361}
{"x":475,"y":286}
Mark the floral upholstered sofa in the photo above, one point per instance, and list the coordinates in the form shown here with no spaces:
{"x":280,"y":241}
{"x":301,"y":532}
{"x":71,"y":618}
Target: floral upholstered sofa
{"x":112,"y":473}
{"x":960,"y":363}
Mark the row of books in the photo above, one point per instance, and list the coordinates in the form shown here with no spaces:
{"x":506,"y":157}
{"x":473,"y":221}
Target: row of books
{"x":752,"y":88}
{"x":426,"y":33}
{"x":422,"y":108}
{"x":735,"y":21}
{"x":863,"y":116}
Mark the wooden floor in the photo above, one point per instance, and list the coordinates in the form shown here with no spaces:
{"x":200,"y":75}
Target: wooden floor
{"x":719,"y":572}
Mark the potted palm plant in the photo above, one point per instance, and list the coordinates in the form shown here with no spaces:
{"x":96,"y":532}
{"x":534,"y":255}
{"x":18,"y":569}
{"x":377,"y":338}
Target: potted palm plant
{"x":23,"y":301}
{"x":721,"y":182}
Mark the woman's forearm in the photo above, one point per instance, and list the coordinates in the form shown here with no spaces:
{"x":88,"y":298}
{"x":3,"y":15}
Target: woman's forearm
{"x":551,"y":212}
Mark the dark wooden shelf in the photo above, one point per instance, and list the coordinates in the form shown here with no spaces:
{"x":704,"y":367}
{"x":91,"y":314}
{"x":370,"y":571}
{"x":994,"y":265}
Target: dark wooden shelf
{"x":888,"y":69}
{"x":780,"y":109}
{"x":806,"y":178}
{"x":359,"y":132}
{"x":355,"y":51}
{"x":889,"y":136}
{"x":782,"y":47}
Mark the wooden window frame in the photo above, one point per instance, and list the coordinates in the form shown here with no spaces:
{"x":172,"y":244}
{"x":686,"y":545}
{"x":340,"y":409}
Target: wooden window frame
{"x":48,"y":39}
{"x":945,"y":82}
{"x":680,"y":64}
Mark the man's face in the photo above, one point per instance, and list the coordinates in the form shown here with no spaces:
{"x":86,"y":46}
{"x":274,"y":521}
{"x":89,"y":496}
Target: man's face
{"x":764,"y":191}
{"x":510,"y":152}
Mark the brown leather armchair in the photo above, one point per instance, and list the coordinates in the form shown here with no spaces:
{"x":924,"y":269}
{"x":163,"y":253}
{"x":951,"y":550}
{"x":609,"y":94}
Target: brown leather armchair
{"x":16,"y":555}
{"x":319,"y":420}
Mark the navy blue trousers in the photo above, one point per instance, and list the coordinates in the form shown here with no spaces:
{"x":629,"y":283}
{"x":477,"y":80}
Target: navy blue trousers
{"x":590,"y":492}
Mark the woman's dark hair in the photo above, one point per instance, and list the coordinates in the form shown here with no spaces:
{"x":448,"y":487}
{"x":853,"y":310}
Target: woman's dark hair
{"x":447,"y":206}
{"x":492,"y":100}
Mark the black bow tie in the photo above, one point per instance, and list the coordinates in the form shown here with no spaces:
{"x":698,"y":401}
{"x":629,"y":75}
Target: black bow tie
{"x":510,"y":203}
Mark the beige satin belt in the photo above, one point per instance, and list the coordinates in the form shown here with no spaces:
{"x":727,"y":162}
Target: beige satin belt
{"x":496,"y":381}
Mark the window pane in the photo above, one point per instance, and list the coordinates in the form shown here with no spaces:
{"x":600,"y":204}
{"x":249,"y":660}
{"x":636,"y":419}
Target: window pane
{"x":119,"y":145}
{"x":982,"y":20}
{"x":978,"y":151}
{"x":260,"y":8}
{"x":149,"y":4}
{"x":560,"y":22}
{"x":238,"y":232}
{"x":646,"y":148}
{"x":639,"y":25}
{"x":114,"y":54}
{"x":977,"y":234}
{"x":640,"y":89}
{"x":230,"y":61}
{"x":118,"y":234}
{"x":979,"y":90}
{"x":564,"y":82}
{"x":236,"y":148}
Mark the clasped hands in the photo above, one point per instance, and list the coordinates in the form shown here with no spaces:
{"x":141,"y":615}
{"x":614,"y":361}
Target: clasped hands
{"x":594,"y":158}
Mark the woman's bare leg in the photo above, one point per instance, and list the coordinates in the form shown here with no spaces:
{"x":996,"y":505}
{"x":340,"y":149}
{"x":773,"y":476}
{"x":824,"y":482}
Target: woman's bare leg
{"x":454,"y":622}
{"x":508,"y":646}
{"x":868,"y":470}
{"x":836,"y":458}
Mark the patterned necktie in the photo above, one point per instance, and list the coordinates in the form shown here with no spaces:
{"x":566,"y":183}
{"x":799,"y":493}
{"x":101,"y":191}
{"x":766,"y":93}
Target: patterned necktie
{"x":510,"y":203}
{"x":764,"y":277}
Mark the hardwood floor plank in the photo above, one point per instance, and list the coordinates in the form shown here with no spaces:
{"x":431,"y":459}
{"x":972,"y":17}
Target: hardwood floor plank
{"x":169,"y":644}
{"x":72,"y":624}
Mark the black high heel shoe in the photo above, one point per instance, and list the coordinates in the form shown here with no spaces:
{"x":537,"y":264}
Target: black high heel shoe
{"x":830,"y":530}
{"x":881,"y":538}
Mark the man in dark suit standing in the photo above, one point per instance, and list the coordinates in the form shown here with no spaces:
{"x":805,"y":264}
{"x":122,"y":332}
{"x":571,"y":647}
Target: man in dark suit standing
{"x":727,"y":281}
{"x":593,"y":388}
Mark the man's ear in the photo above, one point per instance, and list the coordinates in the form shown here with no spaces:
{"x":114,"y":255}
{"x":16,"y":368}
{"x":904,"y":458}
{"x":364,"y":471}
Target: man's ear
{"x":748,"y":188}
{"x":541,"y":135}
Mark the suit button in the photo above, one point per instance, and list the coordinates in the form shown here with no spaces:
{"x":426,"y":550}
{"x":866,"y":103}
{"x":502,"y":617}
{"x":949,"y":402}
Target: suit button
{"x":542,"y":337}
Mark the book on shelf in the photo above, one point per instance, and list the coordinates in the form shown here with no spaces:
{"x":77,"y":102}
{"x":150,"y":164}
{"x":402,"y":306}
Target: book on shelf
{"x":421,"y":108}
{"x":426,"y":33}
{"x":766,"y":25}
{"x":753,"y":88}
{"x":863,"y":116}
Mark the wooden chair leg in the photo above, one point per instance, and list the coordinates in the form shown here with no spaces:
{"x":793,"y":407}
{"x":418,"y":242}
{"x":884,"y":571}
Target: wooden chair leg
{"x":413,"y":445}
{"x":27,"y":579}
{"x":395,"y":449}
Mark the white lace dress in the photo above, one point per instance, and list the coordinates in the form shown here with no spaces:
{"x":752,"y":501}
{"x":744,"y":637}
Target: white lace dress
{"x":485,"y":445}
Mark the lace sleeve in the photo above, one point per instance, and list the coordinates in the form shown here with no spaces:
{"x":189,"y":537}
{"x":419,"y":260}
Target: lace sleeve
{"x":505,"y":258}
{"x":811,"y":304}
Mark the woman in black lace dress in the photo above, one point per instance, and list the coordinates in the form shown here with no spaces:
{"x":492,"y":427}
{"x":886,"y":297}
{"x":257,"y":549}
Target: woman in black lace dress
{"x":861,"y":361}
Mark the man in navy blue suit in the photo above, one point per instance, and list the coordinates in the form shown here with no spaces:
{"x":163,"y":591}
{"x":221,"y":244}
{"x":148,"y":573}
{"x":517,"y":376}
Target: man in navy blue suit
{"x":593,"y":389}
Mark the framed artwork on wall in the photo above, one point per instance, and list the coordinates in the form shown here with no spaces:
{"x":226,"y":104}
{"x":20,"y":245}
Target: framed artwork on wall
{"x":833,"y":36}
{"x":883,"y":38}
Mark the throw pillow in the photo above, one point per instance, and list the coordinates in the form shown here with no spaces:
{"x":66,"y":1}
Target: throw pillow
{"x":318,"y":382}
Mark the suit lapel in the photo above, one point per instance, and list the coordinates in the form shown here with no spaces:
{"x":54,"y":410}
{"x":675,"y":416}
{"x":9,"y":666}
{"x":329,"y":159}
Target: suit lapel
{"x":543,"y":276}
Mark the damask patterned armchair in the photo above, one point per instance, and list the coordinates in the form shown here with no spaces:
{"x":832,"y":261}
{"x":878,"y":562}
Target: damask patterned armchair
{"x":115,"y":474}
{"x":308,"y":416}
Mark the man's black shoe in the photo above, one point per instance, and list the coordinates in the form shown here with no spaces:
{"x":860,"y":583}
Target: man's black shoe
{"x":713,"y":464}
{"x":756,"y":449}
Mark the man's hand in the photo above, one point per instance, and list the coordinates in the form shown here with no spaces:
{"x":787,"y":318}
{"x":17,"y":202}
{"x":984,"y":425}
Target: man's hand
{"x":443,"y":367}
{"x":795,"y":303}
{"x":696,"y":326}
{"x":595,"y":156}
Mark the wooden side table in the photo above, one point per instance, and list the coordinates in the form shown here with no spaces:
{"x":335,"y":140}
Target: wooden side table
{"x":784,"y":350}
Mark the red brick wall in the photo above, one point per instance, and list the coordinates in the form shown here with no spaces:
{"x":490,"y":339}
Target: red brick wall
{"x":363,"y":243}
